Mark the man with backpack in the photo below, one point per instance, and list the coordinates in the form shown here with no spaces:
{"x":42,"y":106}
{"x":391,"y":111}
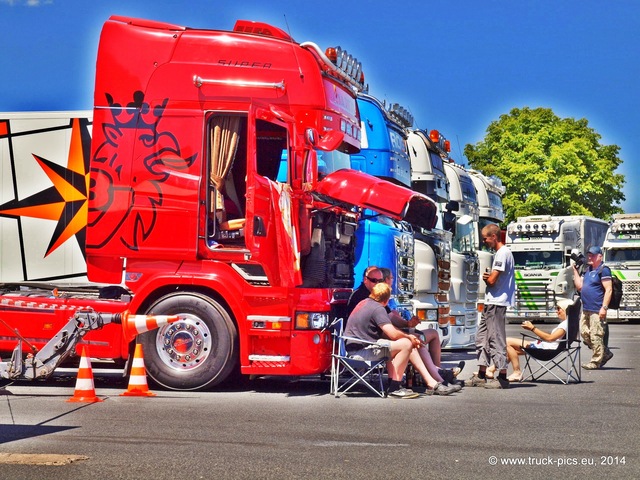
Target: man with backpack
{"x":595,"y":287}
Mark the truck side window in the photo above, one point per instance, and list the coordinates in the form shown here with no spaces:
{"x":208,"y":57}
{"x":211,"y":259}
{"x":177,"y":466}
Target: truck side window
{"x":227,"y":171}
{"x":271,"y":147}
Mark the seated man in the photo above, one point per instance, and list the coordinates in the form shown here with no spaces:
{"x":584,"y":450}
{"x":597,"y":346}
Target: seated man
{"x":547,"y":341}
{"x":369,"y":322}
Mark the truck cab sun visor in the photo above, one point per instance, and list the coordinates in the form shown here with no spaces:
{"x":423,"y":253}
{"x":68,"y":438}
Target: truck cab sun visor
{"x":366,"y":191}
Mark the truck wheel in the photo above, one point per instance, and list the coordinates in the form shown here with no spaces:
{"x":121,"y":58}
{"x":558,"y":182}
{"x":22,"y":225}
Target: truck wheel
{"x":199,"y":350}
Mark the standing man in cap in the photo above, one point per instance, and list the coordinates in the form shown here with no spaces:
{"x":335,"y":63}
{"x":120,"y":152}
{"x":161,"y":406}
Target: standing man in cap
{"x":595,"y":289}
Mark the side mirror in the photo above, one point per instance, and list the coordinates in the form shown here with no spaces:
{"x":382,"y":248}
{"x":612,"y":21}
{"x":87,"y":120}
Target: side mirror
{"x":311,"y":136}
{"x":449,"y":220}
{"x":452,"y":206}
{"x":331,"y":140}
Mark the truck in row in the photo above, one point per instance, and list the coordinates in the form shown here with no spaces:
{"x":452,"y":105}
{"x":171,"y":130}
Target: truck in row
{"x":211,"y":182}
{"x":621,"y":249}
{"x":542,"y":247}
{"x":241,"y":197}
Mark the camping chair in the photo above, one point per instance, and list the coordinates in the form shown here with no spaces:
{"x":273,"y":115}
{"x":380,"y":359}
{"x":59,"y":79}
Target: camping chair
{"x":564,"y":362}
{"x":347,"y":372}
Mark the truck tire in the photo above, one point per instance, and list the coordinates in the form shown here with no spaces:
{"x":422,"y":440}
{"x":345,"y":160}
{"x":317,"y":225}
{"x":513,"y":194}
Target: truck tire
{"x":198,"y":351}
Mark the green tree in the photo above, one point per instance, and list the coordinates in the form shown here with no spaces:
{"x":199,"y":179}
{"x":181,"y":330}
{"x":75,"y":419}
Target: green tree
{"x":550,"y":165}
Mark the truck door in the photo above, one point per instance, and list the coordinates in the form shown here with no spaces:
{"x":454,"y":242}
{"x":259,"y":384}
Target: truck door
{"x":248,"y":201}
{"x":271,"y":224}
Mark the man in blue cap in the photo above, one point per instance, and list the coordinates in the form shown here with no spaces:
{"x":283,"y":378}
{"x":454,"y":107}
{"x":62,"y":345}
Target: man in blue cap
{"x":595,"y":289}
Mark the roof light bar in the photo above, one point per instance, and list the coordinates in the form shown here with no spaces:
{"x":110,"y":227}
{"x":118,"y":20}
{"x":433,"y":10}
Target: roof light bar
{"x":525,"y":228}
{"x":401,"y":115}
{"x":340,"y":62}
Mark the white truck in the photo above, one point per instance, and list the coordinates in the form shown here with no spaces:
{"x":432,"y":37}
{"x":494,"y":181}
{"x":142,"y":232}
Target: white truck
{"x":622,"y":254}
{"x":465,"y":266}
{"x":542,"y":246}
{"x":490,"y":191}
{"x":44,"y":175}
{"x":432,"y":248}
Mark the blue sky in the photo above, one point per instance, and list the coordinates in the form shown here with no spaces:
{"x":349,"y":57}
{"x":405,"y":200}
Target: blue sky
{"x":456,"y":65}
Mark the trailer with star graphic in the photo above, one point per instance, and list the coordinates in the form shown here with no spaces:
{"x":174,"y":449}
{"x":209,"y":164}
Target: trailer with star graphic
{"x":44,"y":176}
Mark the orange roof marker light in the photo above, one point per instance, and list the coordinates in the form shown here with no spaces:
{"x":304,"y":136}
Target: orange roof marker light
{"x":340,"y":64}
{"x":440,"y":142}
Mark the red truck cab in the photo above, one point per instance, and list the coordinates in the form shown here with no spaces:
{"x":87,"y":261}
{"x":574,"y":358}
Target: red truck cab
{"x":219,"y":191}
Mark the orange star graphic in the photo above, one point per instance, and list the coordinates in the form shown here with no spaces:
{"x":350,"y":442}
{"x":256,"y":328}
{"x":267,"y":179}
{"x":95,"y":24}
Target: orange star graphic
{"x":66,"y":200}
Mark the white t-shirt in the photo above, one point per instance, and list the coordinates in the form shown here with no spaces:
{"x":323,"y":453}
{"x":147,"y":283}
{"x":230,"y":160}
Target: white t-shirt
{"x":551,"y":345}
{"x":503,"y":292}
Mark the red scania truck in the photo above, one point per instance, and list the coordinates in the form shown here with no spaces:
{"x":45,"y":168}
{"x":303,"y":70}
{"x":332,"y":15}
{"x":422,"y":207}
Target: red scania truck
{"x":218,"y":190}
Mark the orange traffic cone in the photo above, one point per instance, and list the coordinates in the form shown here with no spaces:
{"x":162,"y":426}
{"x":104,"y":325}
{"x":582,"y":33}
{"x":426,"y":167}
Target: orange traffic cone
{"x":85,"y":391}
{"x":138,"y":377}
{"x":133,"y":325}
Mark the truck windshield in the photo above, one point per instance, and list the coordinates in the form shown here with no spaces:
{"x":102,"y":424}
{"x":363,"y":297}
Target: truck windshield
{"x":465,"y":237}
{"x":329,"y":162}
{"x":537,"y":260}
{"x":626,"y":255}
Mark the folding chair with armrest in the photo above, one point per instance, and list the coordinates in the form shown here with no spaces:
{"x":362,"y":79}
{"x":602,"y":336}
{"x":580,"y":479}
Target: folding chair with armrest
{"x":563,"y":362}
{"x":347,"y":371}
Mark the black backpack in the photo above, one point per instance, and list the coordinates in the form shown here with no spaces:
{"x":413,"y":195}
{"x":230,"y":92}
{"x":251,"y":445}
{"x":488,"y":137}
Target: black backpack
{"x":616,"y":296}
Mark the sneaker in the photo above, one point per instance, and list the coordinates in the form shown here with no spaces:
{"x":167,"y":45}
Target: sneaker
{"x":590,"y":366}
{"x":441,"y":389}
{"x":447,"y":375}
{"x":457,"y":370}
{"x":607,"y":356}
{"x":403,"y":393}
{"x":497,"y":383}
{"x":475,"y":381}
{"x":455,"y":386}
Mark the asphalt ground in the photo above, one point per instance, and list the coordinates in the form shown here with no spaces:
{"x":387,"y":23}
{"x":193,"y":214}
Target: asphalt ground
{"x":284,"y":428}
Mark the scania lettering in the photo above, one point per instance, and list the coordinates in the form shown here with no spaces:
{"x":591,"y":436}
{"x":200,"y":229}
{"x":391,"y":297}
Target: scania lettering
{"x":204,"y":200}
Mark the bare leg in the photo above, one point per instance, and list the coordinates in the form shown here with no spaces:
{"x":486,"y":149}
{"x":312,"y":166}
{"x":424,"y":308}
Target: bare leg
{"x":416,"y":360}
{"x":432,"y":342}
{"x":429,"y":363}
{"x":514,"y":350}
{"x":400,"y":352}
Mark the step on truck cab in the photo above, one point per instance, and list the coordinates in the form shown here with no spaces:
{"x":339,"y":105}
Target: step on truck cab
{"x":428,"y":151}
{"x":220,"y":191}
{"x":381,"y":240}
{"x":465,"y":266}
{"x":621,"y":250}
{"x":542,"y":246}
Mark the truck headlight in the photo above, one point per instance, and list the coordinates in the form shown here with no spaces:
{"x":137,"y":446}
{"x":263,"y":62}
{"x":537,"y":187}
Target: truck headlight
{"x":312,"y":320}
{"x":427,"y":315}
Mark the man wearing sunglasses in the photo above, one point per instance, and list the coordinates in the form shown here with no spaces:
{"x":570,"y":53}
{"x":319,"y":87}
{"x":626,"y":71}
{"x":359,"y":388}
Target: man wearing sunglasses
{"x":372,"y":276}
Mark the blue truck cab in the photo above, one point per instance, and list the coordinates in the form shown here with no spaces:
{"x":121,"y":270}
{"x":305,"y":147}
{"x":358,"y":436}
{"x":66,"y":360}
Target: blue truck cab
{"x":380,"y":240}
